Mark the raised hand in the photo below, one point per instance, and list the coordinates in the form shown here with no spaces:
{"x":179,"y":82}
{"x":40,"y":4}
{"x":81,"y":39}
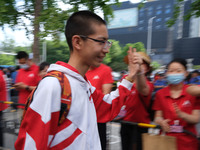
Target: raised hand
{"x":135,"y":62}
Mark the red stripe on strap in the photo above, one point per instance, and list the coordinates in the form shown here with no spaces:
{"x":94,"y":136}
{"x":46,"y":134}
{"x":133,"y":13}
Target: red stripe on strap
{"x":68,"y":141}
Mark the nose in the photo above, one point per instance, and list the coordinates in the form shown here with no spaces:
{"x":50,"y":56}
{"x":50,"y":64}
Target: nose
{"x":105,"y":50}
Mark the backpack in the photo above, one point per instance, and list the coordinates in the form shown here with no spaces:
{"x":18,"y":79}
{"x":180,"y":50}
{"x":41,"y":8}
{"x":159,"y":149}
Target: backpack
{"x":65,"y":95}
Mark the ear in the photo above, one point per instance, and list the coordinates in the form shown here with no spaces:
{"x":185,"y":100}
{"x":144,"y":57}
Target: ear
{"x":76,"y":42}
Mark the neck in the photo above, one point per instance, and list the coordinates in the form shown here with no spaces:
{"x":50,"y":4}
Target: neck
{"x":78,"y":65}
{"x":30,"y":63}
{"x":176,"y":87}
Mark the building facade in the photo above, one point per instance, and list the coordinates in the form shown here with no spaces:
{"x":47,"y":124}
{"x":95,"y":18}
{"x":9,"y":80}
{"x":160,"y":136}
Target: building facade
{"x":148,"y":25}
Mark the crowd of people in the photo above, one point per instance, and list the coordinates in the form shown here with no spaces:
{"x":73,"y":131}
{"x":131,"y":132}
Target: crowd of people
{"x":90,"y":99}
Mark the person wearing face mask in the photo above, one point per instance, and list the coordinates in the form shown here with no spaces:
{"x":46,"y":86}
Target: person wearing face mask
{"x":27,"y":77}
{"x":175,"y":109}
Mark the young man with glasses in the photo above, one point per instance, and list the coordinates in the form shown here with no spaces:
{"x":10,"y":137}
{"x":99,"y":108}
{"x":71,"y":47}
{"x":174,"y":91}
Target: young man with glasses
{"x":87,"y":37}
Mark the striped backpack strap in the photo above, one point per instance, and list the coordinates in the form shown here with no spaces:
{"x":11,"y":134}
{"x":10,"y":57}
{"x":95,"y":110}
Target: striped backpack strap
{"x":65,"y":95}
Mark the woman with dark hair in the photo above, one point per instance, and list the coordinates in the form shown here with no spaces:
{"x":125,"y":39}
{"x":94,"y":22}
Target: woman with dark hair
{"x":175,"y":109}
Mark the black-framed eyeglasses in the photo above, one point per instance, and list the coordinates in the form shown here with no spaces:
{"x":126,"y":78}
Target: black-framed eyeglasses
{"x":106,"y":44}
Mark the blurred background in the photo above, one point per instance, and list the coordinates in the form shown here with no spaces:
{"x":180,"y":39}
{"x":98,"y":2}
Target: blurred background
{"x":164,"y":29}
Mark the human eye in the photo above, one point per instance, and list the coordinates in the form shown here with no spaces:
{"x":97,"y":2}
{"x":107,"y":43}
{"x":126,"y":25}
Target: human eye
{"x":101,"y":42}
{"x":169,"y":71}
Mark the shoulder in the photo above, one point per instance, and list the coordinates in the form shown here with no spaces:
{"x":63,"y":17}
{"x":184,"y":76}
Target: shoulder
{"x":35,"y":67}
{"x":49,"y":84}
{"x":163,"y":91}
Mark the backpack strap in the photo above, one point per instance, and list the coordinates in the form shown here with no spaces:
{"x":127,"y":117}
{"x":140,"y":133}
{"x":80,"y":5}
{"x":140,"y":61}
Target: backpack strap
{"x":65,"y":95}
{"x":28,"y":102}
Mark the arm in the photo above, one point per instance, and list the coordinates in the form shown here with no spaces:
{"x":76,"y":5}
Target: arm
{"x":106,"y":88}
{"x":140,"y":78}
{"x":142,"y":85}
{"x":21,"y":85}
{"x":194,"y":90}
{"x":158,"y":119}
{"x":108,"y":106}
{"x":190,"y":118}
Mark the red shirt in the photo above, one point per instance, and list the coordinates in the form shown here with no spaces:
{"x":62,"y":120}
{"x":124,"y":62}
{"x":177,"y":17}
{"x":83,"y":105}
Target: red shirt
{"x":134,"y":107}
{"x":186,"y":103}
{"x":3,"y":92}
{"x":100,"y":76}
{"x":29,"y":77}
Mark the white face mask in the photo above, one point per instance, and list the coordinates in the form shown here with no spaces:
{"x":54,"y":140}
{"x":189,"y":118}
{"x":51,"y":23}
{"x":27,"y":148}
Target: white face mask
{"x":24,"y":66}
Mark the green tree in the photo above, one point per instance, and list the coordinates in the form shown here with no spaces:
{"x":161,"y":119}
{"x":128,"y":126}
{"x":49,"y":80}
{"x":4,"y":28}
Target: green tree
{"x":114,"y":58}
{"x":196,"y":67}
{"x":92,"y":5}
{"x":193,"y":11}
{"x":46,"y":13}
{"x":155,"y":65}
{"x":57,"y":51}
{"x":7,"y":59}
{"x":139,"y":47}
{"x":8,"y":46}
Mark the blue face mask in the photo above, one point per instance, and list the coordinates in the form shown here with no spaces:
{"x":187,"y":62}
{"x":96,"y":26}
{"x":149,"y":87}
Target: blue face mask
{"x":175,"y":78}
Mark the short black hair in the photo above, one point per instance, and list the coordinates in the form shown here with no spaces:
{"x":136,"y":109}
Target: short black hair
{"x":180,"y":61}
{"x":80,"y":23}
{"x":22,"y":54}
{"x":43,"y":65}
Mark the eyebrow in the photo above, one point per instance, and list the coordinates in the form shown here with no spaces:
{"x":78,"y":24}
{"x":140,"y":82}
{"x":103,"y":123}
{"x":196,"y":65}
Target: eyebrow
{"x":102,"y":38}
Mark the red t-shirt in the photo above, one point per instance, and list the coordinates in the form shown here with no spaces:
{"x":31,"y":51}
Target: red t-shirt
{"x":3,"y":92}
{"x":186,"y":103}
{"x":100,"y":76}
{"x":134,"y":107}
{"x":29,"y":77}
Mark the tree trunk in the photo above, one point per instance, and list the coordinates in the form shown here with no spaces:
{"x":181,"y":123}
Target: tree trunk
{"x":36,"y":29}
